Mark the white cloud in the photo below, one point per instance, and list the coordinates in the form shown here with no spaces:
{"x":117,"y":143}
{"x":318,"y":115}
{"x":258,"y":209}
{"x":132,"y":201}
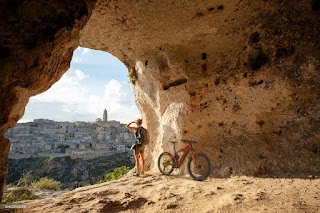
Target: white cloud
{"x":66,"y":108}
{"x":72,"y":99}
{"x":67,"y":89}
{"x":85,"y":51}
{"x":79,"y":55}
{"x":80,"y":75}
{"x":116,"y":99}
{"x":24,"y":120}
{"x":77,"y":60}
{"x":119,"y":104}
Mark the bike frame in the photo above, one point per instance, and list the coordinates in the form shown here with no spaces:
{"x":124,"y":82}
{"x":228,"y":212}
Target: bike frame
{"x":186,"y":151}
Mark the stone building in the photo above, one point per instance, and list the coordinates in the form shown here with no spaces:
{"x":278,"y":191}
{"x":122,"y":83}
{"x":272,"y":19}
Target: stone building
{"x":105,"y":115}
{"x":76,"y":139}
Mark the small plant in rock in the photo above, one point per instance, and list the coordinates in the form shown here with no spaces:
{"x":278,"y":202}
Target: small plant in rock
{"x":133,"y":75}
{"x":46,"y":183}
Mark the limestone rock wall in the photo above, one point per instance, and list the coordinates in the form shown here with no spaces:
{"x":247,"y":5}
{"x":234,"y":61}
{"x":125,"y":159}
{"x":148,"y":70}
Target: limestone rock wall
{"x":240,"y":77}
{"x":37,"y":40}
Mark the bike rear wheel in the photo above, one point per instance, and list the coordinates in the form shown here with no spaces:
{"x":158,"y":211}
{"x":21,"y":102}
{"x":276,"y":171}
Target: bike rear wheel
{"x":199,"y":166}
{"x":165,"y":163}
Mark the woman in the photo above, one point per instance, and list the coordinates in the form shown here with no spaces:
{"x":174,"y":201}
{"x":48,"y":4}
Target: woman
{"x":138,"y":148}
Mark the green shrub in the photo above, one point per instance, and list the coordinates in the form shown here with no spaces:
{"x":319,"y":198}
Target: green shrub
{"x":133,"y":75}
{"x":18,"y":194}
{"x":25,"y":181}
{"x":46,"y":183}
{"x":115,"y":175}
{"x":37,"y":162}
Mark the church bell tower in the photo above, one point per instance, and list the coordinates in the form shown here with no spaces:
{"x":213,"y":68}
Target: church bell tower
{"x":105,"y":115}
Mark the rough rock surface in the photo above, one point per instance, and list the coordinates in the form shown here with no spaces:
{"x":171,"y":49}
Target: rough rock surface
{"x":37,"y":41}
{"x":239,"y":76}
{"x":179,"y":194}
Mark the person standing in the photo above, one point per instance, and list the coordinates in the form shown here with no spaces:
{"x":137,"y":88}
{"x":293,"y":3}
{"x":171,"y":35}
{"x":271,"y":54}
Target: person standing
{"x":137,"y":147}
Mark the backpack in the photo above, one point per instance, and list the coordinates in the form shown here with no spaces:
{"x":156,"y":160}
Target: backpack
{"x":142,"y":136}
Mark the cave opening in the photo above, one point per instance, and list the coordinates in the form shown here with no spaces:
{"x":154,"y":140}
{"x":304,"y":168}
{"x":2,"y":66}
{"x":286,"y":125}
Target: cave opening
{"x":80,"y":120}
{"x":95,"y":81}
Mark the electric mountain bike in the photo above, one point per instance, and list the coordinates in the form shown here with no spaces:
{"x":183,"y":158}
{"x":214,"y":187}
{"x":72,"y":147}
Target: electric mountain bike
{"x":198,"y":164}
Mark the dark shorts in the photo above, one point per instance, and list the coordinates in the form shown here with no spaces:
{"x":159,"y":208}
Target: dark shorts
{"x":138,"y":149}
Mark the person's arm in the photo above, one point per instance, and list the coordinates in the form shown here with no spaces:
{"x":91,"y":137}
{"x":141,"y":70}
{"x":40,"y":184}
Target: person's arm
{"x":130,"y":127}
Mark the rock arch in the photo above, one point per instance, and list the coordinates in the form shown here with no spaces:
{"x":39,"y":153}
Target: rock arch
{"x":240,"y":77}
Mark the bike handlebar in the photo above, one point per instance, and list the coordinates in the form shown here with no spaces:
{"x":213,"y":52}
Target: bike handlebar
{"x":188,"y":141}
{"x":184,"y":141}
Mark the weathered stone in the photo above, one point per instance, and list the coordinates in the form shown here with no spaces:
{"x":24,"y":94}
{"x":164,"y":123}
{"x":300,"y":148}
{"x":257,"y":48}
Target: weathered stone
{"x":238,"y":79}
{"x":4,"y":150}
{"x":37,"y":41}
{"x":207,"y":71}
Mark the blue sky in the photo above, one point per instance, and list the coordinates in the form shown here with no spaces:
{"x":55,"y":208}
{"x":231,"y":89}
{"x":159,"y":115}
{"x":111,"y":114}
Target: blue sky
{"x":96,"y":80}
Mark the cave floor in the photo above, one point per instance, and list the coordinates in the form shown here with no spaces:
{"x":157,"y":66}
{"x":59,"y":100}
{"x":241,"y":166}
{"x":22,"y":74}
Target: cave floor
{"x":158,"y":193}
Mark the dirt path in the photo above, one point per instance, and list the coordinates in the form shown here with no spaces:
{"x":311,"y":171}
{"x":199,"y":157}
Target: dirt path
{"x":182,"y":194}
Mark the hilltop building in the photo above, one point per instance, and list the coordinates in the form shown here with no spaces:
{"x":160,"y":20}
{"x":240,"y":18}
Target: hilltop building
{"x":44,"y":137}
{"x":105,"y":115}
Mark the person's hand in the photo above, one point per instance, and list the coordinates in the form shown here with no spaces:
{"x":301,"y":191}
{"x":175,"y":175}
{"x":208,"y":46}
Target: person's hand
{"x":131,"y":123}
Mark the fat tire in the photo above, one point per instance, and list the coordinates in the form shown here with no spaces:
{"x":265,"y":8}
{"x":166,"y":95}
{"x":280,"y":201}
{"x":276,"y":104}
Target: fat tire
{"x":159,"y":163}
{"x":207,"y":162}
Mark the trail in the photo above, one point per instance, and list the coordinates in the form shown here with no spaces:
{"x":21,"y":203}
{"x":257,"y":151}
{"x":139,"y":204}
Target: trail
{"x":158,"y":193}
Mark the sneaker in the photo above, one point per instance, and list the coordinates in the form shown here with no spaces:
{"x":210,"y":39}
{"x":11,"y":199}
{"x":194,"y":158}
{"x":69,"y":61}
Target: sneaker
{"x":135,"y":174}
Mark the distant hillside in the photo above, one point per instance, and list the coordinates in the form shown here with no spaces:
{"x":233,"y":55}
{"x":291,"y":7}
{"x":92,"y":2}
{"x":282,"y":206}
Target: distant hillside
{"x":66,"y":170}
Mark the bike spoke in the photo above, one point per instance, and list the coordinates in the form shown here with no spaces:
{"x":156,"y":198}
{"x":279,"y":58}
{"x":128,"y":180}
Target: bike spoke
{"x":165,"y":163}
{"x":199,"y":167}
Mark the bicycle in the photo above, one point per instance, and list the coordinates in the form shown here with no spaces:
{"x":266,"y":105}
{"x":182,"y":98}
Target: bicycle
{"x":198,"y":164}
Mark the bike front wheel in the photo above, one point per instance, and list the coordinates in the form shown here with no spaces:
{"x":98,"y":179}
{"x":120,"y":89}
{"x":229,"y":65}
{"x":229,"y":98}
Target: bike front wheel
{"x":165,"y":163}
{"x":199,"y":166}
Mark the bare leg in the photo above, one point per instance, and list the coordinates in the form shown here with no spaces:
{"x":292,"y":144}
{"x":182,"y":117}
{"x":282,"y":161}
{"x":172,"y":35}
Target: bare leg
{"x":143,"y":162}
{"x":137,"y":163}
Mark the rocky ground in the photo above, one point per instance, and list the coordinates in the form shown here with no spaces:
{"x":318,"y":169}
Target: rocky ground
{"x":158,"y":193}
